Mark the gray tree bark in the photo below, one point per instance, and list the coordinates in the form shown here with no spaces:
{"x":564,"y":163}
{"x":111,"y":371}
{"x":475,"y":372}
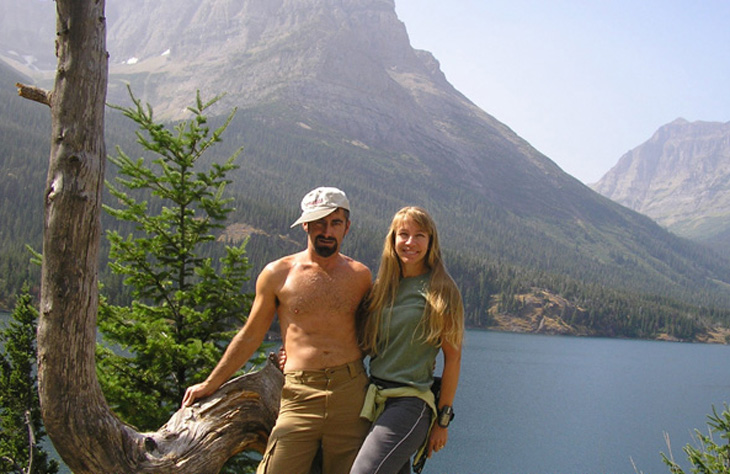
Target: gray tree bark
{"x":87,"y":435}
{"x":71,"y":398}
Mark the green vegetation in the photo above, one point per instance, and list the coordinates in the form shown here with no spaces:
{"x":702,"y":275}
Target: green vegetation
{"x":20,"y":413}
{"x":630,"y":277}
{"x":710,"y":456}
{"x":595,"y":309}
{"x":24,"y":146}
{"x":184,"y":307}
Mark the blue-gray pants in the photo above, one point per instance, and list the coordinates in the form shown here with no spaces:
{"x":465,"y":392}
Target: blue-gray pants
{"x":394,"y":437}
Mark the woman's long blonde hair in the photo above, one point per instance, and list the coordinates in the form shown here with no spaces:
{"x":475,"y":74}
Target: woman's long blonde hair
{"x":443,"y":318}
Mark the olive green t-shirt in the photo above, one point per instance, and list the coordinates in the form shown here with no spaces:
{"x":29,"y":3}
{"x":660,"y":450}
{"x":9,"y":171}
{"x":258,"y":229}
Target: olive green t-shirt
{"x":403,"y":357}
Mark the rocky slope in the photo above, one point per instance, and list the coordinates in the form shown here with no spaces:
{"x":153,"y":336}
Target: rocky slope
{"x":540,"y":311}
{"x":27,"y":33}
{"x":680,"y":177}
{"x":346,"y":64}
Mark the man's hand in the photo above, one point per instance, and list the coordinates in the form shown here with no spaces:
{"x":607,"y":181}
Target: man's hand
{"x":195,"y":392}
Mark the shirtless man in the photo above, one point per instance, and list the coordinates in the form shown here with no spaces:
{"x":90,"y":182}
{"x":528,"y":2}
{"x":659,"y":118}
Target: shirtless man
{"x":315,"y":293}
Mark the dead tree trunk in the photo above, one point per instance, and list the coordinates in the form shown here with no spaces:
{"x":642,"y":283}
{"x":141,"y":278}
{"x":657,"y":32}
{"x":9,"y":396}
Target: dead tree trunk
{"x":86,"y":434}
{"x":69,"y":391}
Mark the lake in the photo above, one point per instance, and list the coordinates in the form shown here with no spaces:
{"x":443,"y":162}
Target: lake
{"x":530,"y":404}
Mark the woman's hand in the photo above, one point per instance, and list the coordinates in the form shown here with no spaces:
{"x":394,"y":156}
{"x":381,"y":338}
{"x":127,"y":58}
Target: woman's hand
{"x":438,"y":439}
{"x":281,"y":357}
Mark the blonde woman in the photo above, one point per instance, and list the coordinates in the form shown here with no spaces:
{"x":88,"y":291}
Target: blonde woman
{"x":414,"y":311}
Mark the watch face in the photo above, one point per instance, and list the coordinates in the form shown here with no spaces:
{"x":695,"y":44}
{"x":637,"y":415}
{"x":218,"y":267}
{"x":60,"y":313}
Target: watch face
{"x":445,"y":416}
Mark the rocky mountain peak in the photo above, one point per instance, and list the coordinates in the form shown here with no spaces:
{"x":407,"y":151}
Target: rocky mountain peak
{"x":344,"y":65}
{"x":254,"y":49}
{"x":338,"y":66}
{"x":197,"y":31}
{"x":680,"y":177}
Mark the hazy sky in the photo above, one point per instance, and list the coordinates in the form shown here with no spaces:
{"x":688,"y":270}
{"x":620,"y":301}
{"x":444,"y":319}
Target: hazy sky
{"x":584,"y":81}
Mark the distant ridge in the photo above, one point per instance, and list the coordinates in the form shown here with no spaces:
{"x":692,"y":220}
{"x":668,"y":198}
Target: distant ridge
{"x":680,"y":177}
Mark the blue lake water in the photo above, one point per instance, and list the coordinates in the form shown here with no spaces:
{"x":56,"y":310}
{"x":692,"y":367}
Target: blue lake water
{"x":531,"y":404}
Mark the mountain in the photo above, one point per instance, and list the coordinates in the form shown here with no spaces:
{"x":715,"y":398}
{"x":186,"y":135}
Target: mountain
{"x":348,"y":66}
{"x":680,"y":177}
{"x":27,"y":33}
{"x":330,"y":92}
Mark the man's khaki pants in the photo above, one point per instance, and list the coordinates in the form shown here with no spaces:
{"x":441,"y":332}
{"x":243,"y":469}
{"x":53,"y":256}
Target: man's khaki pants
{"x":318,"y":408}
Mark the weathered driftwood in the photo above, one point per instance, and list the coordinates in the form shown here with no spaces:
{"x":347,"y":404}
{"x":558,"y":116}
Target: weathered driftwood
{"x":87,"y":435}
{"x":75,"y":414}
{"x":201,"y":438}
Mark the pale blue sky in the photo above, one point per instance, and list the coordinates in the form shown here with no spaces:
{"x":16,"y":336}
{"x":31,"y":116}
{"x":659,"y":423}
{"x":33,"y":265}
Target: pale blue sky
{"x":583,"y":81}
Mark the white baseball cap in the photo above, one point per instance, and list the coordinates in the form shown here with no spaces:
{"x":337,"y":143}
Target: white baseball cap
{"x":320,"y":203}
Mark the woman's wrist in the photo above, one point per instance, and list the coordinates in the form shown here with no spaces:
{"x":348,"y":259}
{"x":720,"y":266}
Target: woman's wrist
{"x":445,"y":415}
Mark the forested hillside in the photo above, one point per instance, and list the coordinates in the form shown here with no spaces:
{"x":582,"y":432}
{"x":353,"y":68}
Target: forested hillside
{"x":332,"y":93}
{"x":496,"y":257}
{"x":491,"y":279}
{"x":24,"y":148}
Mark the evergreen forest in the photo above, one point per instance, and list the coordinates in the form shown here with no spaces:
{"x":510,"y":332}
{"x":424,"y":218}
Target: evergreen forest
{"x":609,"y":291}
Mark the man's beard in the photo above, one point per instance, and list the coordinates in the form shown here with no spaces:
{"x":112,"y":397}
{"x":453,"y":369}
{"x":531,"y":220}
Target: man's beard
{"x":325,"y":251}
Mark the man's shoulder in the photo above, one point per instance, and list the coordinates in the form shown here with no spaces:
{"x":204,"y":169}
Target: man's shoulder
{"x":302,"y":262}
{"x":279,"y":268}
{"x":354,"y":264}
{"x":285,"y":261}
{"x":356,"y":267}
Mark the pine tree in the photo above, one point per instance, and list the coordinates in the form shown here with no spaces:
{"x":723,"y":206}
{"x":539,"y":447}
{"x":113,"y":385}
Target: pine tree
{"x":20,"y":416}
{"x":184,"y":306}
{"x":711,"y":455}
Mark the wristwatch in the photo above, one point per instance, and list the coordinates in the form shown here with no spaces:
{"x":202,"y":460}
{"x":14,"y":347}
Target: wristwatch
{"x":446,"y":414}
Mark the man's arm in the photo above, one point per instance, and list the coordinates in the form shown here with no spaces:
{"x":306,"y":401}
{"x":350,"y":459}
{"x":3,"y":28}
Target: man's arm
{"x":245,"y":342}
{"x":365,"y":278}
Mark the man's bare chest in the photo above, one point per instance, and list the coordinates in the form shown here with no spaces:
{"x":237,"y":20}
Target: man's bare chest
{"x":315,"y":291}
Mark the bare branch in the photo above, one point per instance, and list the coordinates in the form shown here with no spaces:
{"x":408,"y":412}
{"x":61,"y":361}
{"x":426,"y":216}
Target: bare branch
{"x":201,"y":438}
{"x":31,"y":441}
{"x":34,"y":93}
{"x":11,"y":462}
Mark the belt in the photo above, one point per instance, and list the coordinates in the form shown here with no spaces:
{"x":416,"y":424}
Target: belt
{"x":340,"y":373}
